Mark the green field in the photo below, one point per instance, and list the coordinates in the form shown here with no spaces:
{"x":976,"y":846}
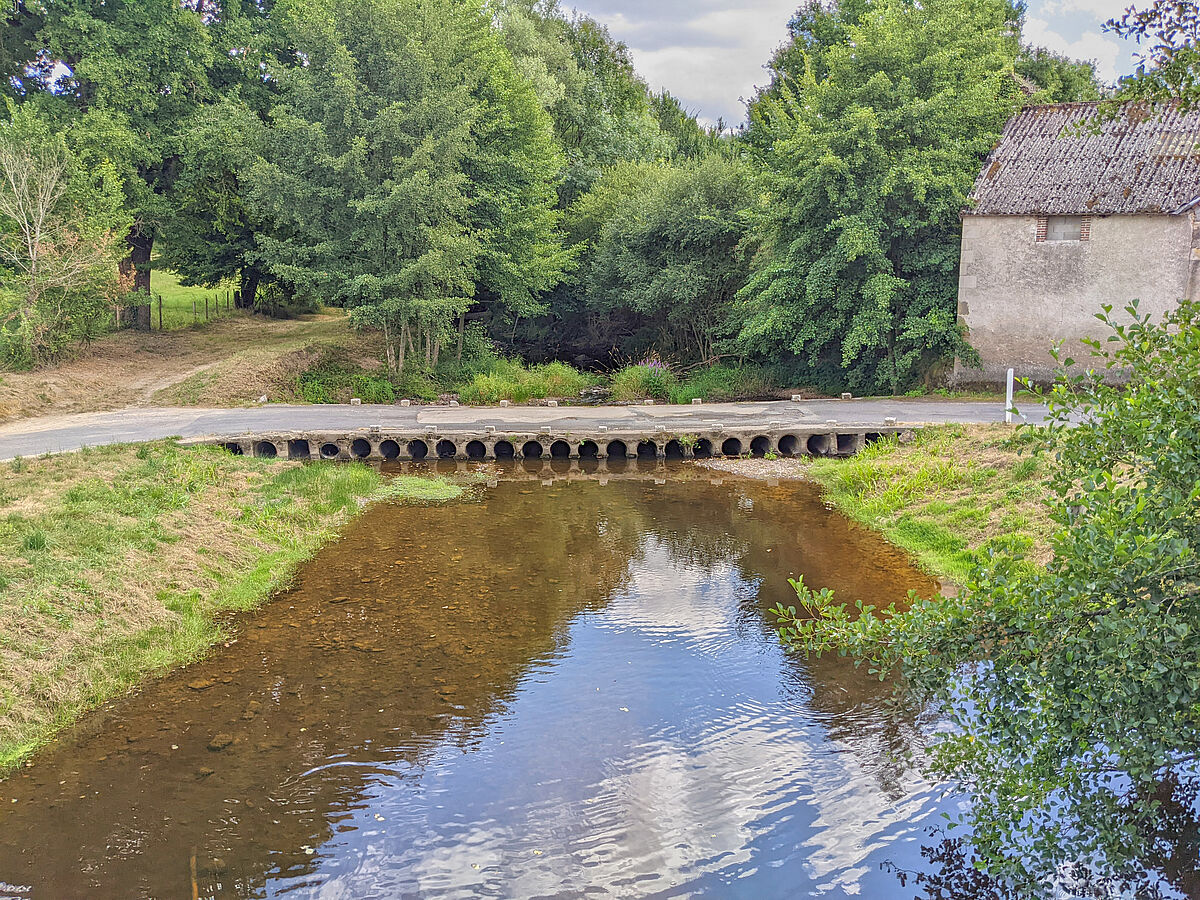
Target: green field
{"x":177,"y":300}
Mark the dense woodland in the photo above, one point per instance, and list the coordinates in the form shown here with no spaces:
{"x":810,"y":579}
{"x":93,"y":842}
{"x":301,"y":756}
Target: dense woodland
{"x":481,"y":178}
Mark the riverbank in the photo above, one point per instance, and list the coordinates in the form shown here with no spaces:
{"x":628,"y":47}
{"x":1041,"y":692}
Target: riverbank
{"x":951,"y":495}
{"x":121,"y":562}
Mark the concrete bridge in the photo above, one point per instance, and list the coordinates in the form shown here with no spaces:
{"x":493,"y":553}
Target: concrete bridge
{"x":377,"y":443}
{"x":828,"y":427}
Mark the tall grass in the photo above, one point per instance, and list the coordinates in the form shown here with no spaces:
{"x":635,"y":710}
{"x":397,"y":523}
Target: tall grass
{"x":509,"y":380}
{"x":723,"y":383}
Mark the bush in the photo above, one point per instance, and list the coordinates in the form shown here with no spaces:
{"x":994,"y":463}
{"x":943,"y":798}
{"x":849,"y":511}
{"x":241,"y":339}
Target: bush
{"x":650,"y":379}
{"x":718,"y":383}
{"x":334,"y":382}
{"x":510,"y":380}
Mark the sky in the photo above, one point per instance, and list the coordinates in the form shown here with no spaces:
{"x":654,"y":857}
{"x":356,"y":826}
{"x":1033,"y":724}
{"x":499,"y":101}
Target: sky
{"x":710,"y":53}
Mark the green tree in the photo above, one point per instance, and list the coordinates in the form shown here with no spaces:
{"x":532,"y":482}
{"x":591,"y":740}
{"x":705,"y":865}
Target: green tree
{"x":409,"y":170}
{"x":869,"y":150}
{"x":1059,"y":78}
{"x":1169,"y":68}
{"x":672,"y":254}
{"x":60,"y":228}
{"x":134,"y":71}
{"x":1074,"y":691}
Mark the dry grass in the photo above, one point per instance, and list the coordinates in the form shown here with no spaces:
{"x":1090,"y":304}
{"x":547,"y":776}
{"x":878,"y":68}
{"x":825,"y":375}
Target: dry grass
{"x":225,"y":363}
{"x":116,"y":562}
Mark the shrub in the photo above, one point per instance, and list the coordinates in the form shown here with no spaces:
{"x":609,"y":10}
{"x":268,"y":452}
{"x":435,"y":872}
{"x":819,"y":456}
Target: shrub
{"x":718,"y":383}
{"x":509,"y":380}
{"x":649,"y":379}
{"x":332,"y":383}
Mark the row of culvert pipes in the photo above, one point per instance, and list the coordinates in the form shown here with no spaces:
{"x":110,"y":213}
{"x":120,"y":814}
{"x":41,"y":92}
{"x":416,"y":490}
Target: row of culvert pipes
{"x":373,"y":446}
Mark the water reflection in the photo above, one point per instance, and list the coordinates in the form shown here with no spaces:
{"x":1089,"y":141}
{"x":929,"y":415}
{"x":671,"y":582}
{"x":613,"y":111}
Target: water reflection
{"x":557,"y":687}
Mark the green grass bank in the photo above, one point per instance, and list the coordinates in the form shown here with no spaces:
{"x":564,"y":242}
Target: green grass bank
{"x":949,"y":497}
{"x":121,"y":562}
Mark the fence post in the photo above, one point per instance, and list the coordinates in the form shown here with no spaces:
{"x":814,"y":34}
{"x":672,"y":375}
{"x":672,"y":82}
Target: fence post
{"x":1008,"y":400}
{"x":205,"y":309}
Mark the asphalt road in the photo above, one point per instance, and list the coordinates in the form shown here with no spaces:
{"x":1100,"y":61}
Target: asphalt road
{"x":55,"y":434}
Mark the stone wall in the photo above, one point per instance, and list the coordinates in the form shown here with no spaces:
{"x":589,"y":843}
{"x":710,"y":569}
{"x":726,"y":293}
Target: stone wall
{"x":1017,"y":295}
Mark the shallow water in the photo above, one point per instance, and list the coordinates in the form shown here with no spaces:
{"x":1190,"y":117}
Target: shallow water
{"x":552,"y":688}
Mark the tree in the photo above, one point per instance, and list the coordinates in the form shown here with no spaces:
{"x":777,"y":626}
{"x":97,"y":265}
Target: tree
{"x":408,"y":171}
{"x":1059,"y":78}
{"x":672,"y":254}
{"x":1169,"y":69}
{"x":134,"y":71}
{"x":59,"y":233}
{"x":1074,"y":692}
{"x":870,"y":144}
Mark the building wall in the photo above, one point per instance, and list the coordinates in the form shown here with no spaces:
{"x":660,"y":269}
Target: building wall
{"x":1017,"y":295}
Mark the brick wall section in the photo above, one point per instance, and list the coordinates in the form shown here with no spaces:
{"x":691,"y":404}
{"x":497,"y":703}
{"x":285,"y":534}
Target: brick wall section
{"x":1085,"y":229}
{"x":1041,"y":228}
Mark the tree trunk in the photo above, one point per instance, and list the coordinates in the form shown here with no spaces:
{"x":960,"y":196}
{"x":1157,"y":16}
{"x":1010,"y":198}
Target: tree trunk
{"x":462,"y":327}
{"x":137,"y":264}
{"x":248,"y":280}
{"x":404,"y":341}
{"x":389,"y":347}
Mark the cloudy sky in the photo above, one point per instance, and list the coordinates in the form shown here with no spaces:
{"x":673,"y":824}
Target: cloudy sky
{"x":710,"y":53}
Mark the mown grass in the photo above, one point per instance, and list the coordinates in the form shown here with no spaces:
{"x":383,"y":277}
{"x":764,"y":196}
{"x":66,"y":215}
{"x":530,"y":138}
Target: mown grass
{"x":510,"y":380}
{"x":951,"y":496}
{"x":177,"y":301}
{"x":119,"y":562}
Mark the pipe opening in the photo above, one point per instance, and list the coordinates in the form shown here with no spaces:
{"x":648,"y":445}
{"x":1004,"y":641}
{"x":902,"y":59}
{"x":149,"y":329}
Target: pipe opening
{"x":330,"y":451}
{"x":731,"y":447}
{"x":647,"y":450}
{"x":418,"y":449}
{"x":446,"y":449}
{"x":874,"y":438}
{"x":299,"y":450}
{"x":673,"y":450}
{"x":617,"y":450}
{"x":389,"y":449}
{"x":233,"y":447}
{"x":504,"y":450}
{"x":531,"y":450}
{"x":560,"y":450}
{"x":476,"y":450}
{"x":818,"y":445}
{"x":589,"y":450}
{"x":847,"y":443}
{"x":360,"y":448}
{"x":788,"y":444}
{"x":703,"y":449}
{"x":265,"y":450}
{"x":760,"y":446}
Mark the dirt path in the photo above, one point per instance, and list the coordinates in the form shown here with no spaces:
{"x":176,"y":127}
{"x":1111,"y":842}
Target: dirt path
{"x":226,"y":363}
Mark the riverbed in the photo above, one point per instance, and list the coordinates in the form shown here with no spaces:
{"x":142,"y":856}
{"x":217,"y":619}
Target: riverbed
{"x":565,"y":684}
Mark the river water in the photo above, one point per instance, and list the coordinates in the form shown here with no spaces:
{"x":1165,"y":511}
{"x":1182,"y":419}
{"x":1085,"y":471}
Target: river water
{"x":554,"y":687}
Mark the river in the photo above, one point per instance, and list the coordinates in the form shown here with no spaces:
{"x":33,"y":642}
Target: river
{"x":553,"y":687}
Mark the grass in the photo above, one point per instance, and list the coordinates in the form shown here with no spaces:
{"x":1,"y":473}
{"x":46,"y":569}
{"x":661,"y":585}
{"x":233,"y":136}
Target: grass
{"x":951,"y":496}
{"x":643,"y":382}
{"x":177,"y":301}
{"x":120,"y":562}
{"x":510,"y":380}
{"x":719,"y":384}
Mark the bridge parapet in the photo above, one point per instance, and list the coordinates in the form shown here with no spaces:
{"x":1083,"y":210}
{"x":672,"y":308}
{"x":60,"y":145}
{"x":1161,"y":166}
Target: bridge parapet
{"x":381,"y":445}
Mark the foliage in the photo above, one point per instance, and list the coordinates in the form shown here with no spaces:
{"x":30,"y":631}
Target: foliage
{"x":1169,"y":68}
{"x":422,"y":183}
{"x":670,"y":253}
{"x":649,"y":379}
{"x":510,"y":380}
{"x":1073,"y":691}
{"x":720,"y":383}
{"x":59,"y":230}
{"x":336,"y":382}
{"x":1059,"y":78}
{"x":870,"y":140}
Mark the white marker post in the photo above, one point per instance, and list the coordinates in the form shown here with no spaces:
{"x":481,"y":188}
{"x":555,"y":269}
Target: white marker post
{"x":1008,"y":400}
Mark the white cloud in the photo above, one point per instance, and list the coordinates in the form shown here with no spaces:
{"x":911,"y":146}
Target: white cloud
{"x":1106,"y":51}
{"x":1102,"y":10}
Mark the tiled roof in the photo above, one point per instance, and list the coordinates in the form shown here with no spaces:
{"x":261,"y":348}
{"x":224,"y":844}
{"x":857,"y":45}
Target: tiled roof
{"x":1063,"y":159}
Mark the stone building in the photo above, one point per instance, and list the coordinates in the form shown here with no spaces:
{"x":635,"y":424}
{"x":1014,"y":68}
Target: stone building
{"x":1071,"y":212}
